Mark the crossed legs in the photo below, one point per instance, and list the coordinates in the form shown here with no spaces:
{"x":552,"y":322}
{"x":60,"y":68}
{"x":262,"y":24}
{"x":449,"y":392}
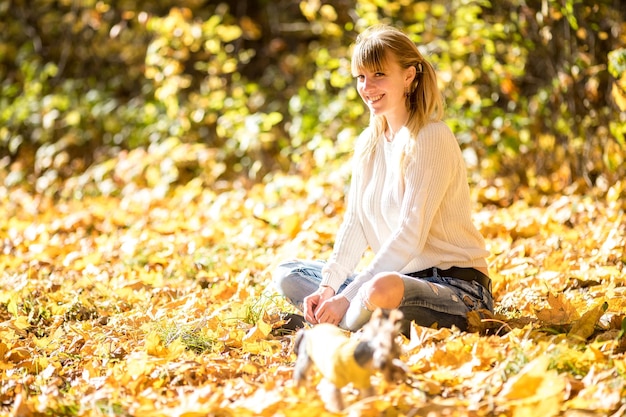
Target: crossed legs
{"x":431,"y":301}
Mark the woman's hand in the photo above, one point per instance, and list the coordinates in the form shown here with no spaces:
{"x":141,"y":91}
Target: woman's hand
{"x":314,"y":301}
{"x":332,"y":310}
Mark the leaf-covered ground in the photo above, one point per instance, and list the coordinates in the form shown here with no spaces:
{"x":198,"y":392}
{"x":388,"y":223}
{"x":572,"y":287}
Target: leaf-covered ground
{"x":141,"y":305}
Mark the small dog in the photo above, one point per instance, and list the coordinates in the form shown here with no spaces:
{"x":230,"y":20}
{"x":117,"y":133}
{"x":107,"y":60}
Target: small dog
{"x":342,"y":360}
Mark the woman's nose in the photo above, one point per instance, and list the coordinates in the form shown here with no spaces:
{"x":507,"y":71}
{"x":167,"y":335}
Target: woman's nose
{"x":366,"y":84}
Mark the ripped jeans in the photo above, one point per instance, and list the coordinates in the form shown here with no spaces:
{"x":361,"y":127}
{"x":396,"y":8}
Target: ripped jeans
{"x":427,"y":301}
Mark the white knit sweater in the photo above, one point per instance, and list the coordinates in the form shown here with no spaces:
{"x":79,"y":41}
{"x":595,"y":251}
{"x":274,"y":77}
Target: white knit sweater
{"x":412,"y":221}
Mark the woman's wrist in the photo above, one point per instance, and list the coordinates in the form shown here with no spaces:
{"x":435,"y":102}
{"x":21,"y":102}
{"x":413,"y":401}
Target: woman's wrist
{"x":326,"y":291}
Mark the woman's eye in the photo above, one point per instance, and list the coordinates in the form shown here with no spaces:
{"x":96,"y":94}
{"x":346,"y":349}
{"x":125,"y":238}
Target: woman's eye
{"x":379,"y":74}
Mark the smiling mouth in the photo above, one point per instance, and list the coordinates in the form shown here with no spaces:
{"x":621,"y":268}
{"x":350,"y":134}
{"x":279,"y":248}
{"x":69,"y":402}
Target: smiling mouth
{"x":374,"y":99}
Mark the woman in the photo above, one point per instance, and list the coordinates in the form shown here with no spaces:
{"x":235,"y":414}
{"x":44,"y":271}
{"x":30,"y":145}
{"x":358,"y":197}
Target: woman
{"x":408,"y":201}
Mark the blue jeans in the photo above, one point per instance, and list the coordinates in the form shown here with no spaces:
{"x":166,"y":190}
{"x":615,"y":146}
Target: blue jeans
{"x":427,"y":301}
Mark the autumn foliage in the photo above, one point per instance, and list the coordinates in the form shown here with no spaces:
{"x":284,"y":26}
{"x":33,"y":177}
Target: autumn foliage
{"x":151,"y":306}
{"x":535,"y":90}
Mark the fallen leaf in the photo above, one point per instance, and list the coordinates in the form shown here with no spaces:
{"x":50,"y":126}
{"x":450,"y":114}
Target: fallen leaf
{"x":21,"y":323}
{"x":535,"y":390}
{"x":585,"y":326}
{"x":561,"y":311}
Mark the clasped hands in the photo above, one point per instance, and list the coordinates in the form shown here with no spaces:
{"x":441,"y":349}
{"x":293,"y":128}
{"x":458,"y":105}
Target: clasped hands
{"x":323,"y":306}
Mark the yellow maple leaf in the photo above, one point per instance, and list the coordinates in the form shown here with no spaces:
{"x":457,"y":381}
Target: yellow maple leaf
{"x":261,"y":347}
{"x":12,"y":306}
{"x":18,"y":354}
{"x":561,"y":311}
{"x":535,"y":391}
{"x":258,"y":332}
{"x":21,"y":323}
{"x":156,"y":347}
{"x":585,"y":326}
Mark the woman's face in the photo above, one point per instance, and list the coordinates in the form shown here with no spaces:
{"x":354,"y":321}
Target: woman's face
{"x":383,"y":91}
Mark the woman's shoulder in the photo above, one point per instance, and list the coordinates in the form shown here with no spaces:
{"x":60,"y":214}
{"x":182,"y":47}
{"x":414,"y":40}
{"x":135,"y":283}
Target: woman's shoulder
{"x":436,"y":133}
{"x":436,"y":127}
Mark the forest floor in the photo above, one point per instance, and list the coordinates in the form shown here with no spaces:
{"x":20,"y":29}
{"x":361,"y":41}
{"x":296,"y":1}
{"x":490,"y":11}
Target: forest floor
{"x":152,"y":305}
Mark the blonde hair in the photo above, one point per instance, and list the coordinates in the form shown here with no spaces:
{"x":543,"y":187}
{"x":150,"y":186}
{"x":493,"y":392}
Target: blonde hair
{"x":424,"y":101}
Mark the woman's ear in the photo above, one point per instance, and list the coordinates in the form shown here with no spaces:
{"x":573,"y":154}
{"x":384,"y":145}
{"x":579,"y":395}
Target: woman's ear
{"x":409,"y":75}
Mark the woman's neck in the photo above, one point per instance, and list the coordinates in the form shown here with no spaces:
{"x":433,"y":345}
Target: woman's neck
{"x":394,"y":124}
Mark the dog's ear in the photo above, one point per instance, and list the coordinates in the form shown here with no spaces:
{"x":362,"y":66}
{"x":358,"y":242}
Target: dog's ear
{"x":396,"y":315}
{"x":377,"y":314}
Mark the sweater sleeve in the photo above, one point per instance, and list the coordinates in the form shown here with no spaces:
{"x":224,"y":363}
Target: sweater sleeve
{"x":350,"y":242}
{"x":427,"y":177}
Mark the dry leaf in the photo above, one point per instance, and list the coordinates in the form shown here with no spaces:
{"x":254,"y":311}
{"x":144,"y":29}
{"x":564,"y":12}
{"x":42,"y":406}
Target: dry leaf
{"x":535,"y":391}
{"x":561,"y":311}
{"x":585,"y":326}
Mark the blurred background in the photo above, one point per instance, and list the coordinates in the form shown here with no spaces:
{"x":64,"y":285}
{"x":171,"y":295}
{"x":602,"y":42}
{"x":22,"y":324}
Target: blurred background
{"x":97,"y":94}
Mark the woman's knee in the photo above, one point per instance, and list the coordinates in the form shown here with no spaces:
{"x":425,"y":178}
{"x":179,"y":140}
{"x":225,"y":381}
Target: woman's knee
{"x":385,"y":290}
{"x":284,"y":278}
{"x":296,"y":279}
